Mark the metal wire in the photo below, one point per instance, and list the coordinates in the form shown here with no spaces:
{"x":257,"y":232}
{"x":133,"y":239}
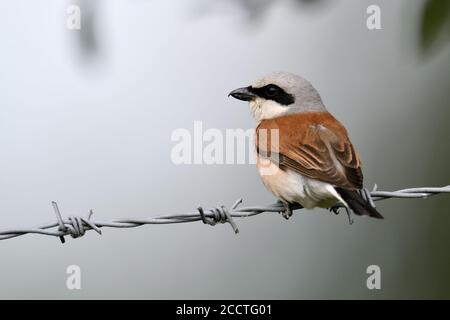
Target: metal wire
{"x":76,"y":226}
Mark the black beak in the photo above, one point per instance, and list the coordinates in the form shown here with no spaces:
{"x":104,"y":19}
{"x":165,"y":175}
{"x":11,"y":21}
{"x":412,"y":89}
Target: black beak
{"x":243,"y":94}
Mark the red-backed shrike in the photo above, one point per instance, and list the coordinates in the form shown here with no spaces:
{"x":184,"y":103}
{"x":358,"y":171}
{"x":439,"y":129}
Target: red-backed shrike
{"x":317,"y":165}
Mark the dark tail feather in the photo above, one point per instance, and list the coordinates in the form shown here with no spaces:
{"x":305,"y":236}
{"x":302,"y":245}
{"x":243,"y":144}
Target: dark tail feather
{"x":357,"y":203}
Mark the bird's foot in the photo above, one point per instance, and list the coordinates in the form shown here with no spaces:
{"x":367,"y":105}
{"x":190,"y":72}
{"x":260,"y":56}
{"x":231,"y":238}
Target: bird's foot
{"x":287,"y":213}
{"x":335,"y":210}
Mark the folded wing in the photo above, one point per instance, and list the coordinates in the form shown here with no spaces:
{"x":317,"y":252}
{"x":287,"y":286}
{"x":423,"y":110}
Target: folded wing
{"x":315,"y":145}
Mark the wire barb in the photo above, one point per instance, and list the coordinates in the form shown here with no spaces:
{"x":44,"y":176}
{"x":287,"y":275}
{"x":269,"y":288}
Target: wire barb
{"x":218,"y":215}
{"x":76,"y":226}
{"x":61,"y":227}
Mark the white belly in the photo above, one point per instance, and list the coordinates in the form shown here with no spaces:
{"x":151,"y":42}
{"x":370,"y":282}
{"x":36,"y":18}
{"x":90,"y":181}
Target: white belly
{"x":290,"y":186}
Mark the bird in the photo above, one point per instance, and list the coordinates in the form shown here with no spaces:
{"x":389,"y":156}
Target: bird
{"x":312,"y":163}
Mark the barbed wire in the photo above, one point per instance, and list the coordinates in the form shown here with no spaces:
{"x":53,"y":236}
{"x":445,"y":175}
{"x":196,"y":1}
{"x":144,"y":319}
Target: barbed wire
{"x":76,"y":226}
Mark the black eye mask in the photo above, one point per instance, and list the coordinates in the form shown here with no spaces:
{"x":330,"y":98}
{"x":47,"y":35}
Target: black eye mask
{"x":274,"y":93}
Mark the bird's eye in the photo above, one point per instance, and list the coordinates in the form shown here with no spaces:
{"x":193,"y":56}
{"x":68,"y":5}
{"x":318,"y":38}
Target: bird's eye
{"x":272,"y":91}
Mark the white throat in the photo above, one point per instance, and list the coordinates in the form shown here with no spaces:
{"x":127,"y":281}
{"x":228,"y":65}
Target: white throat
{"x":262,"y":109}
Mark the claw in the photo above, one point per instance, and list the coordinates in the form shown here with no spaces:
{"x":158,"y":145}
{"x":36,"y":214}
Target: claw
{"x":335,"y":210}
{"x":287,"y":213}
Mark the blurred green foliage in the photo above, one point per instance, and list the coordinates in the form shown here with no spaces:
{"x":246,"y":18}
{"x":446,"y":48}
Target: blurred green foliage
{"x":435,"y":24}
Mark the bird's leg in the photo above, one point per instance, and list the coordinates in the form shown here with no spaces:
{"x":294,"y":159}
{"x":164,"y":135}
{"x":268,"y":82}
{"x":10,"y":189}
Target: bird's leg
{"x":287,"y":213}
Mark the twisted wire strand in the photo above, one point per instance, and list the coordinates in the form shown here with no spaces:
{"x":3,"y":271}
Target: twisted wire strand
{"x":76,"y":226}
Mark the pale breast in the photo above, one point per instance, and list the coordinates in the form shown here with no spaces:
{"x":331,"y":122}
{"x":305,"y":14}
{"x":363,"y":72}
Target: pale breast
{"x":290,"y":186}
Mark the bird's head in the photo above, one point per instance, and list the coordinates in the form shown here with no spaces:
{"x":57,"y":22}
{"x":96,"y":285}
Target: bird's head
{"x":278,"y":94}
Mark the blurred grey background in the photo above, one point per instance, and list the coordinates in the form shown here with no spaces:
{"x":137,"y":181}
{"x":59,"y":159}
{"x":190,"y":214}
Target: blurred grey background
{"x":86,"y":119}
